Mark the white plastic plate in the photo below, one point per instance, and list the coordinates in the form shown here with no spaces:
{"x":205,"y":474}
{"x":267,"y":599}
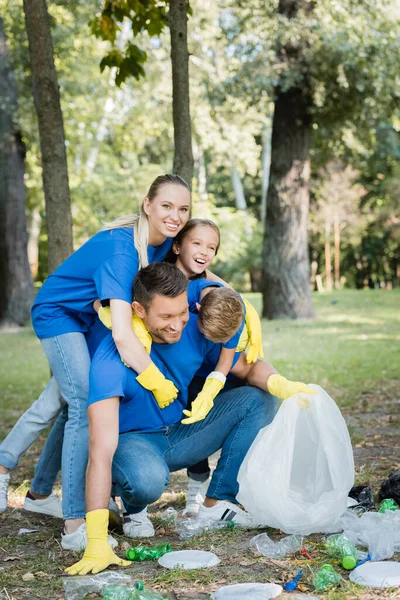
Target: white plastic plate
{"x":382,"y":574}
{"x":189,"y":559}
{"x":248,"y":591}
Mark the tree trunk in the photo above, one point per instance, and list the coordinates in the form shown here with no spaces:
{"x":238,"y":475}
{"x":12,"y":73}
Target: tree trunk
{"x":336,"y":237}
{"x":286,"y":279}
{"x":16,"y":294}
{"x":328,"y":259}
{"x":51,"y":130}
{"x":183,"y":157}
{"x":33,"y":241}
{"x":240,"y":198}
{"x":266,"y":162}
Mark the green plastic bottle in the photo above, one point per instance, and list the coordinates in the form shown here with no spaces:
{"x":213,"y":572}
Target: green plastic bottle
{"x":118,"y":592}
{"x":142,"y":594}
{"x":388,"y":504}
{"x":340,"y":547}
{"x":326,"y":577}
{"x":140,"y":553}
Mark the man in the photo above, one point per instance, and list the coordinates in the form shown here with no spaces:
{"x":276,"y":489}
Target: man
{"x":134,"y":444}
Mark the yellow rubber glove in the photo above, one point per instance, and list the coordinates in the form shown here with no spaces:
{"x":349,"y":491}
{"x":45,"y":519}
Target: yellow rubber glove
{"x":283,"y":388}
{"x":138,"y":326}
{"x":98,"y":554}
{"x":204,"y":401}
{"x":163,"y":389}
{"x":253,"y":326}
{"x":243,"y":341}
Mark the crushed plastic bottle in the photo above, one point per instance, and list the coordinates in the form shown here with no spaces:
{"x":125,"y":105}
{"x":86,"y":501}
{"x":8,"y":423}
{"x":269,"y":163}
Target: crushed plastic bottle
{"x":388,"y":504}
{"x":140,"y":553}
{"x":263,"y":544}
{"x":145,"y":594}
{"x":187,"y":527}
{"x":340,"y":546}
{"x":325,"y":577}
{"x":77,"y":588}
{"x":137,"y":592}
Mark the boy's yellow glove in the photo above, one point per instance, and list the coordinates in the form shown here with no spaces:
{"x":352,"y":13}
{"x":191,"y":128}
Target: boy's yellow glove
{"x":98,"y":554}
{"x":138,"y":326}
{"x":204,"y":401}
{"x":163,"y":389}
{"x":253,"y":326}
{"x":283,"y":388}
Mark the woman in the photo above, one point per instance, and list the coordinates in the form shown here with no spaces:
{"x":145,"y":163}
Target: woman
{"x":104,"y":267}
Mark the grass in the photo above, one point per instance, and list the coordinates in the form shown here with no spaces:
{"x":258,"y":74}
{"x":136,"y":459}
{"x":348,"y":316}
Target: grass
{"x":352,"y":349}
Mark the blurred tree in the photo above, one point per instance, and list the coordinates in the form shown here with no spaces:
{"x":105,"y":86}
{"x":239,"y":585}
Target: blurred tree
{"x":52,"y":140}
{"x":16,"y":282}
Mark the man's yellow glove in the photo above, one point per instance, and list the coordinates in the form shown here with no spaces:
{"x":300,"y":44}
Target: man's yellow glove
{"x":98,"y":554}
{"x":283,"y":388}
{"x":138,"y":326}
{"x":204,"y":401}
{"x":163,"y":389}
{"x":253,"y":326}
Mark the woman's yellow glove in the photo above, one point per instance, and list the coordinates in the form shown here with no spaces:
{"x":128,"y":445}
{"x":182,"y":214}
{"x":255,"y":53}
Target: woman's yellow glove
{"x":98,"y":554}
{"x":253,"y":327}
{"x":204,"y":401}
{"x":138,"y":326}
{"x":283,"y":388}
{"x":163,"y":389}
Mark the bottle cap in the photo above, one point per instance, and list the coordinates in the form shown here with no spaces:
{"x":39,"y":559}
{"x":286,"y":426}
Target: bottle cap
{"x":130,"y":554}
{"x":349,"y":562}
{"x":139,"y":585}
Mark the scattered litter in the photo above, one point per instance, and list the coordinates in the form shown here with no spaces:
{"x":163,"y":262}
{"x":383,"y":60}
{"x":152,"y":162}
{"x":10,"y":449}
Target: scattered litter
{"x":169,"y":515}
{"x":339,"y":546}
{"x":377,"y":574}
{"x":325,"y":577}
{"x":351,"y":502}
{"x":302,"y":597}
{"x":137,"y":592}
{"x":388,"y":504}
{"x":140,"y":553}
{"x":77,"y":588}
{"x":248,"y":591}
{"x":390,"y":488}
{"x":10,"y":558}
{"x":363,"y":496}
{"x":292,"y":584}
{"x":189,"y":559}
{"x":297,"y":474}
{"x":263,"y":544}
{"x":187,"y":527}
{"x":23,"y":530}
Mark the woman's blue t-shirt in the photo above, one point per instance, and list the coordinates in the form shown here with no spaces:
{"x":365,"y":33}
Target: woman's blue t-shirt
{"x":104,"y":267}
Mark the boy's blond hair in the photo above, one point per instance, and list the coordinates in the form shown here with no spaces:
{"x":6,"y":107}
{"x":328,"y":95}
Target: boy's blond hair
{"x":221,"y":314}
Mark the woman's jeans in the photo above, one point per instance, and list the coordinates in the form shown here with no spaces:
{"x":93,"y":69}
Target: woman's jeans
{"x":143,"y":461}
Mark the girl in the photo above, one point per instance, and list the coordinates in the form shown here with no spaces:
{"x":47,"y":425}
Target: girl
{"x":104,"y":267}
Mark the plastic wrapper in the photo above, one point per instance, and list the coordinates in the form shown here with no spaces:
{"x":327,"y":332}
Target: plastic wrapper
{"x":187,"y":527}
{"x":298,"y":472}
{"x":390,"y":488}
{"x":76,"y":588}
{"x":263,"y":544}
{"x":325,"y":578}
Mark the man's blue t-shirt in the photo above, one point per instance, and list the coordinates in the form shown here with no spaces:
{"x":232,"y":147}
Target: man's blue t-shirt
{"x":195,"y":287}
{"x":104,"y":267}
{"x":179,"y":362}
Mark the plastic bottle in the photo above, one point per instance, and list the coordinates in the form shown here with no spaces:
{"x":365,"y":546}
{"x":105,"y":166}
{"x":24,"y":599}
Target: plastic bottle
{"x":138,"y":592}
{"x":388,"y":504}
{"x":325,"y":578}
{"x":189,"y":527}
{"x":140,"y":553}
{"x":340,"y":547}
{"x":142,"y":594}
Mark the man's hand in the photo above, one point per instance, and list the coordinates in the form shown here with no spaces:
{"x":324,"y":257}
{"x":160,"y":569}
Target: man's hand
{"x":204,"y":401}
{"x":283,"y":388}
{"x":163,"y":389}
{"x":98,"y":554}
{"x":253,"y":326}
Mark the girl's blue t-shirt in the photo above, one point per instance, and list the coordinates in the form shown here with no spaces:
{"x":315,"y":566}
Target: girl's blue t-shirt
{"x":104,"y":267}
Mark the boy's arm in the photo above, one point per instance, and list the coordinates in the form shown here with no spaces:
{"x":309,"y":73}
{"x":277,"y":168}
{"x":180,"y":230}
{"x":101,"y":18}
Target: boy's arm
{"x":103,"y":441}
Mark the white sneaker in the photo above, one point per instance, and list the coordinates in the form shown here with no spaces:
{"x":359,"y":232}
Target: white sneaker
{"x":195,"y":494}
{"x":78,"y":539}
{"x":47,"y":506}
{"x":138,"y":525}
{"x":227,"y":511}
{"x":4,"y":481}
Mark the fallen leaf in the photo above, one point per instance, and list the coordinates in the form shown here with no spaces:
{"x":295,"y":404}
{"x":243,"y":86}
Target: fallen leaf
{"x":28,"y":577}
{"x":7,"y":558}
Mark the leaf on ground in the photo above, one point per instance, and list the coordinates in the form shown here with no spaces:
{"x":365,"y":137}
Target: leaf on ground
{"x":8,"y":558}
{"x":28,"y":577}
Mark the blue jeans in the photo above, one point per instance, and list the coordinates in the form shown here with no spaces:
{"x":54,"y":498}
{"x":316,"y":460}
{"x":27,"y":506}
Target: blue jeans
{"x":143,"y":461}
{"x":49,"y":463}
{"x":69,"y":361}
{"x":39,"y":415}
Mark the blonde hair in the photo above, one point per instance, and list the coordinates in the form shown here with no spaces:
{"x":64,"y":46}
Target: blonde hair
{"x":140,"y":222}
{"x":221,"y":314}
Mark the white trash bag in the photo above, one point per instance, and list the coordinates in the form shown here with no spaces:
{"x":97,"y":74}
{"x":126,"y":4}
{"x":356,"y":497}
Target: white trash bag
{"x":297,"y":474}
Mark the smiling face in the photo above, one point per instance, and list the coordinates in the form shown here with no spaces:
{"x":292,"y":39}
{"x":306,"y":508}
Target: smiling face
{"x":197,"y":250}
{"x":167,"y":212}
{"x":165,"y":318}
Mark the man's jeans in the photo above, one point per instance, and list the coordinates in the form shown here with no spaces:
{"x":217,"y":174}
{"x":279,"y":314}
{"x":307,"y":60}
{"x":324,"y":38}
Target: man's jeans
{"x":143,"y":461}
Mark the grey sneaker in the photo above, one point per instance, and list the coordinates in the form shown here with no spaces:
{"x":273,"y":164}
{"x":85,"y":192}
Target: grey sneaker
{"x":138,"y":525}
{"x":195,"y":493}
{"x":4,"y":481}
{"x":48,"y":506}
{"x":78,"y":539}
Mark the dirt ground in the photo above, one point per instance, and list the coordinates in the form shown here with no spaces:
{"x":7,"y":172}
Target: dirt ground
{"x":31,"y":565}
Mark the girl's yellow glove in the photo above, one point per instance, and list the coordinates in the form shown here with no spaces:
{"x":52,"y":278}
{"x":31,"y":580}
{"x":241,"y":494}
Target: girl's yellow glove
{"x":204,"y":401}
{"x":163,"y":389}
{"x":98,"y":554}
{"x":138,"y":326}
{"x":253,"y":327}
